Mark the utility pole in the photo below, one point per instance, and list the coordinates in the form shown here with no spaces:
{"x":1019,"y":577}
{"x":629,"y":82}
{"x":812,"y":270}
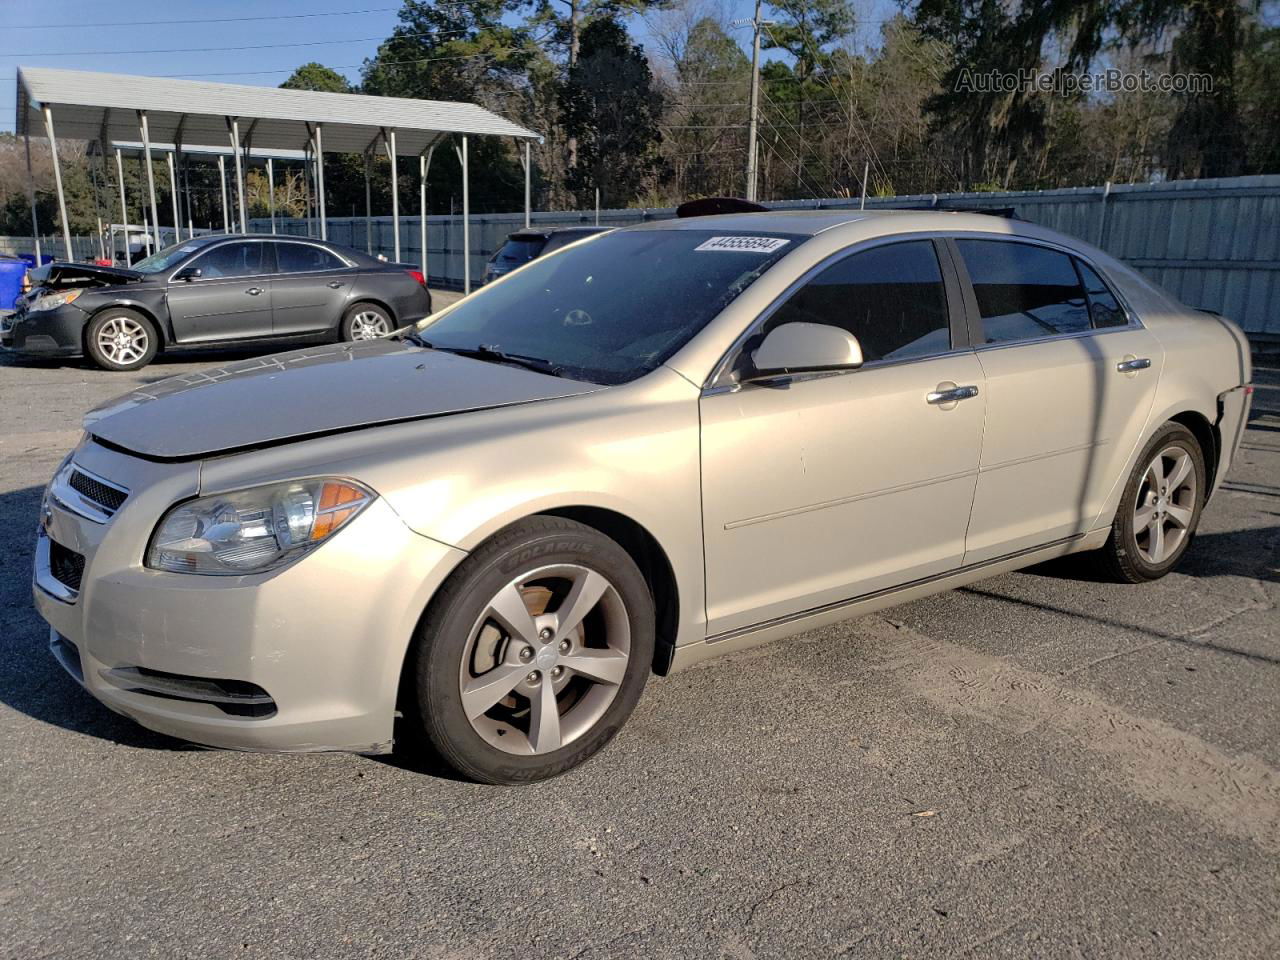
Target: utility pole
{"x":756,"y":24}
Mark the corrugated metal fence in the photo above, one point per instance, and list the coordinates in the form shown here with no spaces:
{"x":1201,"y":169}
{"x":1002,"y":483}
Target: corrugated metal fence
{"x":1212,"y":243}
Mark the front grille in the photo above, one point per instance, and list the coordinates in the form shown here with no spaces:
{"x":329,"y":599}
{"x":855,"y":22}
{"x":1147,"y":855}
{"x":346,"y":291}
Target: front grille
{"x":67,"y":566}
{"x":109,"y":498}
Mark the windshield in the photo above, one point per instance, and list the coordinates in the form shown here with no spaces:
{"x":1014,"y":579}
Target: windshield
{"x":615,"y":308}
{"x":162,"y":260}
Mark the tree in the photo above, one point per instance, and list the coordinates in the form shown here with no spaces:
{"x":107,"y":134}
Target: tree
{"x":316,"y":76}
{"x":611,"y":107}
{"x":713,"y":79}
{"x":460,"y":52}
{"x":999,"y":130}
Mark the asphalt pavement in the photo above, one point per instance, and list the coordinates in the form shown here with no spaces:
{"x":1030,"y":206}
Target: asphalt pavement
{"x":1037,"y":765}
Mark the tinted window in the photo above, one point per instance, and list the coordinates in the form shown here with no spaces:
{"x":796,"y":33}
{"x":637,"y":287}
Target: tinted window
{"x":613,"y":309}
{"x":235,"y":260}
{"x":563,"y":238}
{"x":1024,"y":291}
{"x":1104,"y":309}
{"x":304,"y":258}
{"x":519,"y":251}
{"x":891,"y":298}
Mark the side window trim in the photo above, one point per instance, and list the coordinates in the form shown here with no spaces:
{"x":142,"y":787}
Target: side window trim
{"x":976,"y":331}
{"x":721,"y":378}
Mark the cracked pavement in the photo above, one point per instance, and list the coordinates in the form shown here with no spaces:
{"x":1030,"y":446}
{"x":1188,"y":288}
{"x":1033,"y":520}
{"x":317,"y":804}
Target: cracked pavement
{"x":1036,"y":765}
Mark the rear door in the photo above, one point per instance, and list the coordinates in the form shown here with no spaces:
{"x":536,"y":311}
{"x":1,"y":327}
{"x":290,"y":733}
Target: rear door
{"x":1070,"y":383}
{"x":230,"y":300}
{"x":310,"y":289}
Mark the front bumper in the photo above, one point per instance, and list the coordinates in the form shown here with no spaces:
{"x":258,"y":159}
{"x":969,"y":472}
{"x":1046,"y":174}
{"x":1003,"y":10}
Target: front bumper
{"x":47,"y":333}
{"x":305,"y":658}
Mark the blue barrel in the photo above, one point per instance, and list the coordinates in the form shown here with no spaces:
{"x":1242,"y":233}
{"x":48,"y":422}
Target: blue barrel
{"x":11,"y":271}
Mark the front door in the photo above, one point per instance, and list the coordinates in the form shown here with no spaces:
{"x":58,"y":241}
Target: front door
{"x":824,"y":488}
{"x":310,"y":289}
{"x":230,"y":300}
{"x":1070,"y":383}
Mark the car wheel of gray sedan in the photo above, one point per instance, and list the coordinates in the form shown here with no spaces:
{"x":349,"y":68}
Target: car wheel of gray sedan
{"x":366,"y":321}
{"x":534,"y":652}
{"x":1159,"y":510}
{"x":119,"y":339}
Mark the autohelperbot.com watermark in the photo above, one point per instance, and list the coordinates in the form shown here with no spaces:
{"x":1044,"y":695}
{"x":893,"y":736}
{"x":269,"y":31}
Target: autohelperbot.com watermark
{"x":1064,"y":83}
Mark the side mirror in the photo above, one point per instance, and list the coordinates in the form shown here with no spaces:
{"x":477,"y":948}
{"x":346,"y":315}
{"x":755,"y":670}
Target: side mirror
{"x":189,"y":273}
{"x":805,"y":348}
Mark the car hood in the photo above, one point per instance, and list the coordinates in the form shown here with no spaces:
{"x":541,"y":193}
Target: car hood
{"x":306,"y":393}
{"x":58,"y":275}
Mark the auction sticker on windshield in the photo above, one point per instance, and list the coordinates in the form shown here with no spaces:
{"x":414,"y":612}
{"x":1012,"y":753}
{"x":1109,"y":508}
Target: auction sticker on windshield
{"x":743,"y":244}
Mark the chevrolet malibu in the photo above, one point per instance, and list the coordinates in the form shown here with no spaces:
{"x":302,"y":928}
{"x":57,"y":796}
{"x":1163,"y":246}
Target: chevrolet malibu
{"x":214,"y":291}
{"x":658,"y":445}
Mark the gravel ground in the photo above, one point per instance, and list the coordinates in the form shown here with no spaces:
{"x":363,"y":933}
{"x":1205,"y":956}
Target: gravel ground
{"x":1038,"y":765}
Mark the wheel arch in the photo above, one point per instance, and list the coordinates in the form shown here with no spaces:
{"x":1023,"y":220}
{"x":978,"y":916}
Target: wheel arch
{"x":1207,"y":436}
{"x":648,"y":554}
{"x":361,"y":300}
{"x":161,"y":328}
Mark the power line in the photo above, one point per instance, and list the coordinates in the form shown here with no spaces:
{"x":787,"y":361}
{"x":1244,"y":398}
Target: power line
{"x":261,"y":46}
{"x":152,"y":23}
{"x":349,"y":66}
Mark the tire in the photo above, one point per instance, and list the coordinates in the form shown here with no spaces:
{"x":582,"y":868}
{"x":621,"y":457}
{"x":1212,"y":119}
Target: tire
{"x":121,"y":339}
{"x":481,"y":624}
{"x":365,"y":321}
{"x":1133,"y":553}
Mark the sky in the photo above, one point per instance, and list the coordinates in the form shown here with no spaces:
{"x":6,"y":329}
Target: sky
{"x":257,"y":43}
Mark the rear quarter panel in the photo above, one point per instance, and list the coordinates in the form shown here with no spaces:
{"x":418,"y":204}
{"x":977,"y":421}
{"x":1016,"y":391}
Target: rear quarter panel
{"x":1204,"y":357}
{"x":394,"y":288}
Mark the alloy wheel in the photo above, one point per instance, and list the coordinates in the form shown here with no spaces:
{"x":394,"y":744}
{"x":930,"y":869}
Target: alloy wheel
{"x":368,"y":325}
{"x":123,"y":340}
{"x":545,"y":659}
{"x":1166,"y":505}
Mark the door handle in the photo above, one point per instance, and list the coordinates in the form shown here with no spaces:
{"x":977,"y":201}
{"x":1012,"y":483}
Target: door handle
{"x":1133,"y":364}
{"x":951,"y":395}
{"x":253,"y":291}
{"x":335,"y":284}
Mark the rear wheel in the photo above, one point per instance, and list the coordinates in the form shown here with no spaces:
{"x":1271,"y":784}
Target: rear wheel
{"x":534,"y":652}
{"x":365,"y":321}
{"x":1159,"y":510}
{"x":119,"y":339}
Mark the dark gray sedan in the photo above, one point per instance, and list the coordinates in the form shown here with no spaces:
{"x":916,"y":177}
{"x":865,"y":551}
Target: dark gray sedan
{"x":215,"y":291}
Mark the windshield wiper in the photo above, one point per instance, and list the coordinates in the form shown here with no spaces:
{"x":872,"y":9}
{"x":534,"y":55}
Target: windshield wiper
{"x":491,"y":353}
{"x":416,"y":339}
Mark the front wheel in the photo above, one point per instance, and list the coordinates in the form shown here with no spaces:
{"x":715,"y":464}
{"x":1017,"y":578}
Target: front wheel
{"x":366,"y":321}
{"x":534,"y":652}
{"x":119,"y":339}
{"x":1159,"y":509}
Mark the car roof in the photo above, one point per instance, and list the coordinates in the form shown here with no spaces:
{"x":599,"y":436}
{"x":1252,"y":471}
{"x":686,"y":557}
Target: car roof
{"x":536,"y":233}
{"x":813,"y":222}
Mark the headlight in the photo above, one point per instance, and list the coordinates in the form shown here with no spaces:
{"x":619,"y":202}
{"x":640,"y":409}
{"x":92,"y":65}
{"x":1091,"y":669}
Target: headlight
{"x":49,"y":301}
{"x":254,"y":530}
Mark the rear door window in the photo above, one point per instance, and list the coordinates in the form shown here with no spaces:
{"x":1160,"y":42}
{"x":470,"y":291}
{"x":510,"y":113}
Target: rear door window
{"x":1024,"y":291}
{"x":1104,"y":309}
{"x":305,"y":258}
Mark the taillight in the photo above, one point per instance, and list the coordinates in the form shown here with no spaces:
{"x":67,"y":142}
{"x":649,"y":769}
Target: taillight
{"x":417,"y":275}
